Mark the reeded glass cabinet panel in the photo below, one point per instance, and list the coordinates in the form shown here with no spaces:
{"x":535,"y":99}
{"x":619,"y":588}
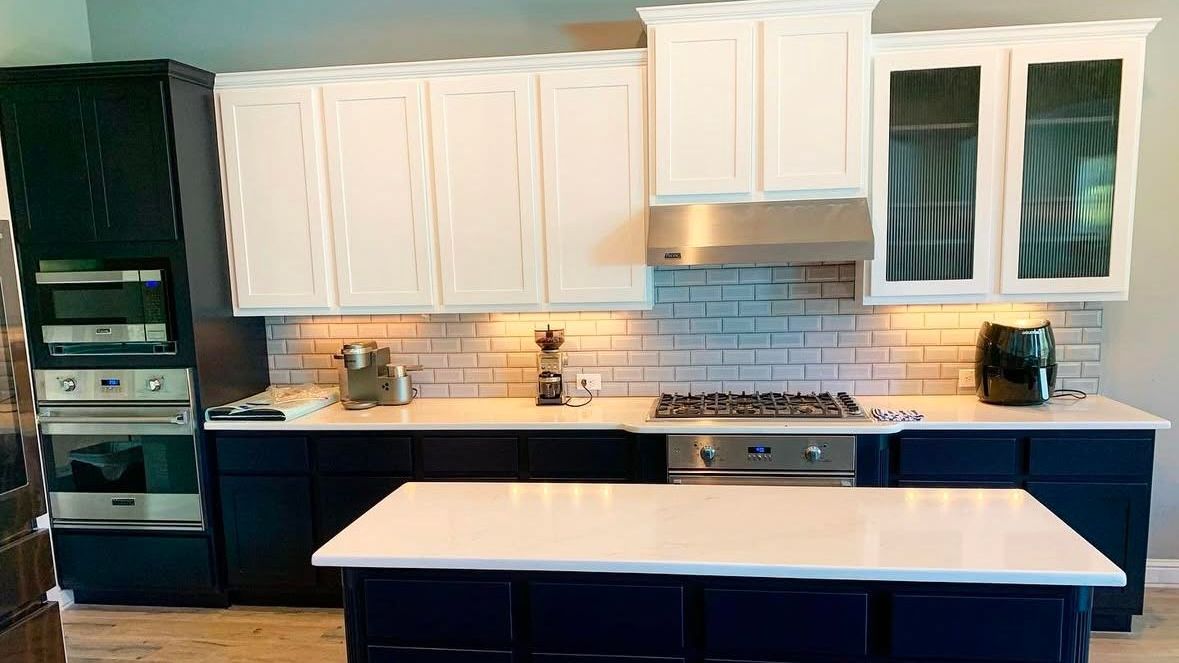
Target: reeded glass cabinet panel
{"x":935,"y":154}
{"x":1072,"y":142}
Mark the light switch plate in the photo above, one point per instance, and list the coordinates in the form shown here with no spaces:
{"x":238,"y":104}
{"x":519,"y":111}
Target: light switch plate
{"x":593,"y":381}
{"x":966,"y":378}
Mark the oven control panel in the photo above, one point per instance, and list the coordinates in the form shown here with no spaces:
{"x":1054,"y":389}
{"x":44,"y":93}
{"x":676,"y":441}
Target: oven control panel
{"x":105,"y":384}
{"x":792,"y":453}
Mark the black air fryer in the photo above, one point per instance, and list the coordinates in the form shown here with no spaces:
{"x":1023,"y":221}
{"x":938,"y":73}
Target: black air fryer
{"x":1015,"y":364}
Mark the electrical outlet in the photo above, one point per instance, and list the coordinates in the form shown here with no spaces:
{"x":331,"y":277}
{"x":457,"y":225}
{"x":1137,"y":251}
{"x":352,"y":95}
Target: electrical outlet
{"x":966,"y":378}
{"x":593,"y":381}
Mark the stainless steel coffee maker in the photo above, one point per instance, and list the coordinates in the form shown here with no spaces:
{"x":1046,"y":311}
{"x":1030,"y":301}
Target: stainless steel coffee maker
{"x":367,"y":379}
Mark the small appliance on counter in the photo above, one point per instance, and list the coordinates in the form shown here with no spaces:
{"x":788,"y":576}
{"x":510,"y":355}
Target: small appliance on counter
{"x":277,"y":403}
{"x":367,"y":379}
{"x":550,"y":366}
{"x":1015,"y":363}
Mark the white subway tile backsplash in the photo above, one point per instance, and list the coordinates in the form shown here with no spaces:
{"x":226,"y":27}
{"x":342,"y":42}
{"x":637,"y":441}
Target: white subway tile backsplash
{"x":795,"y":327}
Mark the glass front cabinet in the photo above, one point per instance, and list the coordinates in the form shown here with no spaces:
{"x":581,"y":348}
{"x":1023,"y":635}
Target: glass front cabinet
{"x":1004,"y":163}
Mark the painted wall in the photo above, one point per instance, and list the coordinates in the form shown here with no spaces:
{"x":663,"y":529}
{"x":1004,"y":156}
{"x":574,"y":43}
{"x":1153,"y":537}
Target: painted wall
{"x":43,"y":32}
{"x":228,"y":35}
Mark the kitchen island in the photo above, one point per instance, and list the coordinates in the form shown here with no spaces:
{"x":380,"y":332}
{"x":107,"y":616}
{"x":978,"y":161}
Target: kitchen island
{"x":610,"y":573}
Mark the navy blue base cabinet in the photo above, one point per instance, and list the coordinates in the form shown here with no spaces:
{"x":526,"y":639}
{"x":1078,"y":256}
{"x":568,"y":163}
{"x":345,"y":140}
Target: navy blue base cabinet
{"x":282,"y":495}
{"x":1096,"y":481}
{"x":412,"y":616}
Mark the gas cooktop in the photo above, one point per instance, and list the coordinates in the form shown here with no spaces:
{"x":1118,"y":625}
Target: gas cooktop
{"x":758,"y":405}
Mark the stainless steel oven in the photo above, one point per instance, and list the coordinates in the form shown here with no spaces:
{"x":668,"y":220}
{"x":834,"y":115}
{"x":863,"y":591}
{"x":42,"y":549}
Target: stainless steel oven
{"x":768,"y":460}
{"x":120,"y":448}
{"x":113,"y":311}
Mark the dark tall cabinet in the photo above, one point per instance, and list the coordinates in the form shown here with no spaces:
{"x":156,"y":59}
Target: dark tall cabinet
{"x":116,"y":163}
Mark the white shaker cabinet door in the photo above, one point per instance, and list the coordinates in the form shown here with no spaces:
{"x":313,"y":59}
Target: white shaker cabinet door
{"x":277,"y":225}
{"x":703,"y":107}
{"x":593,"y":143}
{"x":813,"y":102}
{"x":380,"y":216}
{"x":485,"y":176}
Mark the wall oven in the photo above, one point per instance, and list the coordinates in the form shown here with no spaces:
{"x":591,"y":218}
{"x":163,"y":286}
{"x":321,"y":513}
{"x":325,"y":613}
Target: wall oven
{"x":768,"y":460}
{"x":120,"y":448}
{"x":114,"y":311}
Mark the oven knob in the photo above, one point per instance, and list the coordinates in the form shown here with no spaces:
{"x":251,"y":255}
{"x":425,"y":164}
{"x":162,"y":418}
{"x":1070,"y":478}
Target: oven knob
{"x":155,"y":384}
{"x":708,"y":454}
{"x":812,"y":454}
{"x":68,"y":384}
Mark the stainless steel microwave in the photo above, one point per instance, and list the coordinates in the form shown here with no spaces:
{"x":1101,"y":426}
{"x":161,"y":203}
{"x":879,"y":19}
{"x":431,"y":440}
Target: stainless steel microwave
{"x":104,"y":312}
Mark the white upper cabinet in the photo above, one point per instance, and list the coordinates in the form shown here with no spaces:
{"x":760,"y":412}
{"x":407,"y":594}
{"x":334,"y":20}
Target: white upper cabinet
{"x":759,"y":99}
{"x":380,"y":212}
{"x":937,"y":171}
{"x":277,"y":225}
{"x":485,"y":179}
{"x":593,"y":142}
{"x":813,"y":101}
{"x":1004,"y":163}
{"x":704,"y":108}
{"x":1072,"y":155}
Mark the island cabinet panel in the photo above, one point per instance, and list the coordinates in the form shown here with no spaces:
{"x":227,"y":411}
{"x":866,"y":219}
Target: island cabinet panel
{"x":804,"y":623}
{"x":435,"y":613}
{"x":413,"y":655}
{"x":268,"y":535}
{"x":470,"y":457}
{"x":569,"y":618}
{"x":598,"y":458}
{"x":987,"y":628}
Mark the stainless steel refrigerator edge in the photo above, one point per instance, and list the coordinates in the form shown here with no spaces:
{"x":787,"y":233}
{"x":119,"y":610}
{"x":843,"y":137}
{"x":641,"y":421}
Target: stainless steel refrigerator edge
{"x":30,"y":626}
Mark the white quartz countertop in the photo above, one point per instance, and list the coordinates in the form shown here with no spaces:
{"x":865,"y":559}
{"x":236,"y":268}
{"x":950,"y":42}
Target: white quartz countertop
{"x":631,"y":414}
{"x":885,"y":534}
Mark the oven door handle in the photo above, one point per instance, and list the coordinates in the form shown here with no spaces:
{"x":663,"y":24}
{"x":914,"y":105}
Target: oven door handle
{"x":179,"y":419}
{"x":82,"y":278}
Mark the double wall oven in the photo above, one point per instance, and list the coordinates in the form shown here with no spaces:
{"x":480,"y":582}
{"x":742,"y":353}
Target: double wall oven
{"x":120,"y":448}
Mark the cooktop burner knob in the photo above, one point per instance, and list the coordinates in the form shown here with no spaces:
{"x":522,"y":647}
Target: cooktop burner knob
{"x":708,"y":454}
{"x":812,"y":454}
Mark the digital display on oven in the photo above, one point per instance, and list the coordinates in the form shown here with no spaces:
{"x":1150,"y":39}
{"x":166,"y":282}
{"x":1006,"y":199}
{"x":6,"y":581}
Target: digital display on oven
{"x":109,"y":382}
{"x":760,"y":450}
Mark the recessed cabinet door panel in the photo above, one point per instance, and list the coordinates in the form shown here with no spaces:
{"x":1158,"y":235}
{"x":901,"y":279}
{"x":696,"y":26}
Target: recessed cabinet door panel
{"x":380,"y":216}
{"x":131,"y":164}
{"x":1072,"y":153}
{"x":47,"y":163}
{"x":593,"y":144}
{"x":813,"y":96}
{"x":270,"y":148}
{"x":485,"y":173}
{"x":937,"y":172}
{"x":704,"y":107}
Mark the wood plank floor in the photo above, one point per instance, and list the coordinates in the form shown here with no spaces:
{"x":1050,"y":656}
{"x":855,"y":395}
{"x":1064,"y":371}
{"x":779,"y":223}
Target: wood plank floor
{"x":97,"y":634}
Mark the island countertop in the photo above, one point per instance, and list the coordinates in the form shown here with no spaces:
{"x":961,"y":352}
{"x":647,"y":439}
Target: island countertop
{"x":876,"y":534}
{"x":632,"y":414}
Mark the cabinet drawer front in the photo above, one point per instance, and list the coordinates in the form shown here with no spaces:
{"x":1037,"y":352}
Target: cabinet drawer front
{"x":410,"y":655}
{"x":470,"y":457}
{"x":34,"y":639}
{"x":959,"y":456}
{"x":439,"y":613}
{"x":910,"y":483}
{"x":578,"y":658}
{"x":26,"y":570}
{"x":1078,"y":456}
{"x":579,"y":458}
{"x":998,"y":628}
{"x":124,"y":563}
{"x":364,"y":455}
{"x":806,"y":623}
{"x":600,"y":619}
{"x":262,"y":455}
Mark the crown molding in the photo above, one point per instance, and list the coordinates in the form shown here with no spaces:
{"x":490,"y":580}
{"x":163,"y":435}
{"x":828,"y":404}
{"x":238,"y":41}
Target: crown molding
{"x":750,"y":9}
{"x":1134,"y":28}
{"x":434,"y":68}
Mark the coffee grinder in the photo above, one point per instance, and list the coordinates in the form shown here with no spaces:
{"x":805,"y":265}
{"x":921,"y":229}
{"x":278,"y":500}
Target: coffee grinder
{"x":550,"y":366}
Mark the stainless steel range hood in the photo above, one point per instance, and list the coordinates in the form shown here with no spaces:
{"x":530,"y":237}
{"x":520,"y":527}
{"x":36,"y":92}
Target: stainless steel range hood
{"x":762,"y":232}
